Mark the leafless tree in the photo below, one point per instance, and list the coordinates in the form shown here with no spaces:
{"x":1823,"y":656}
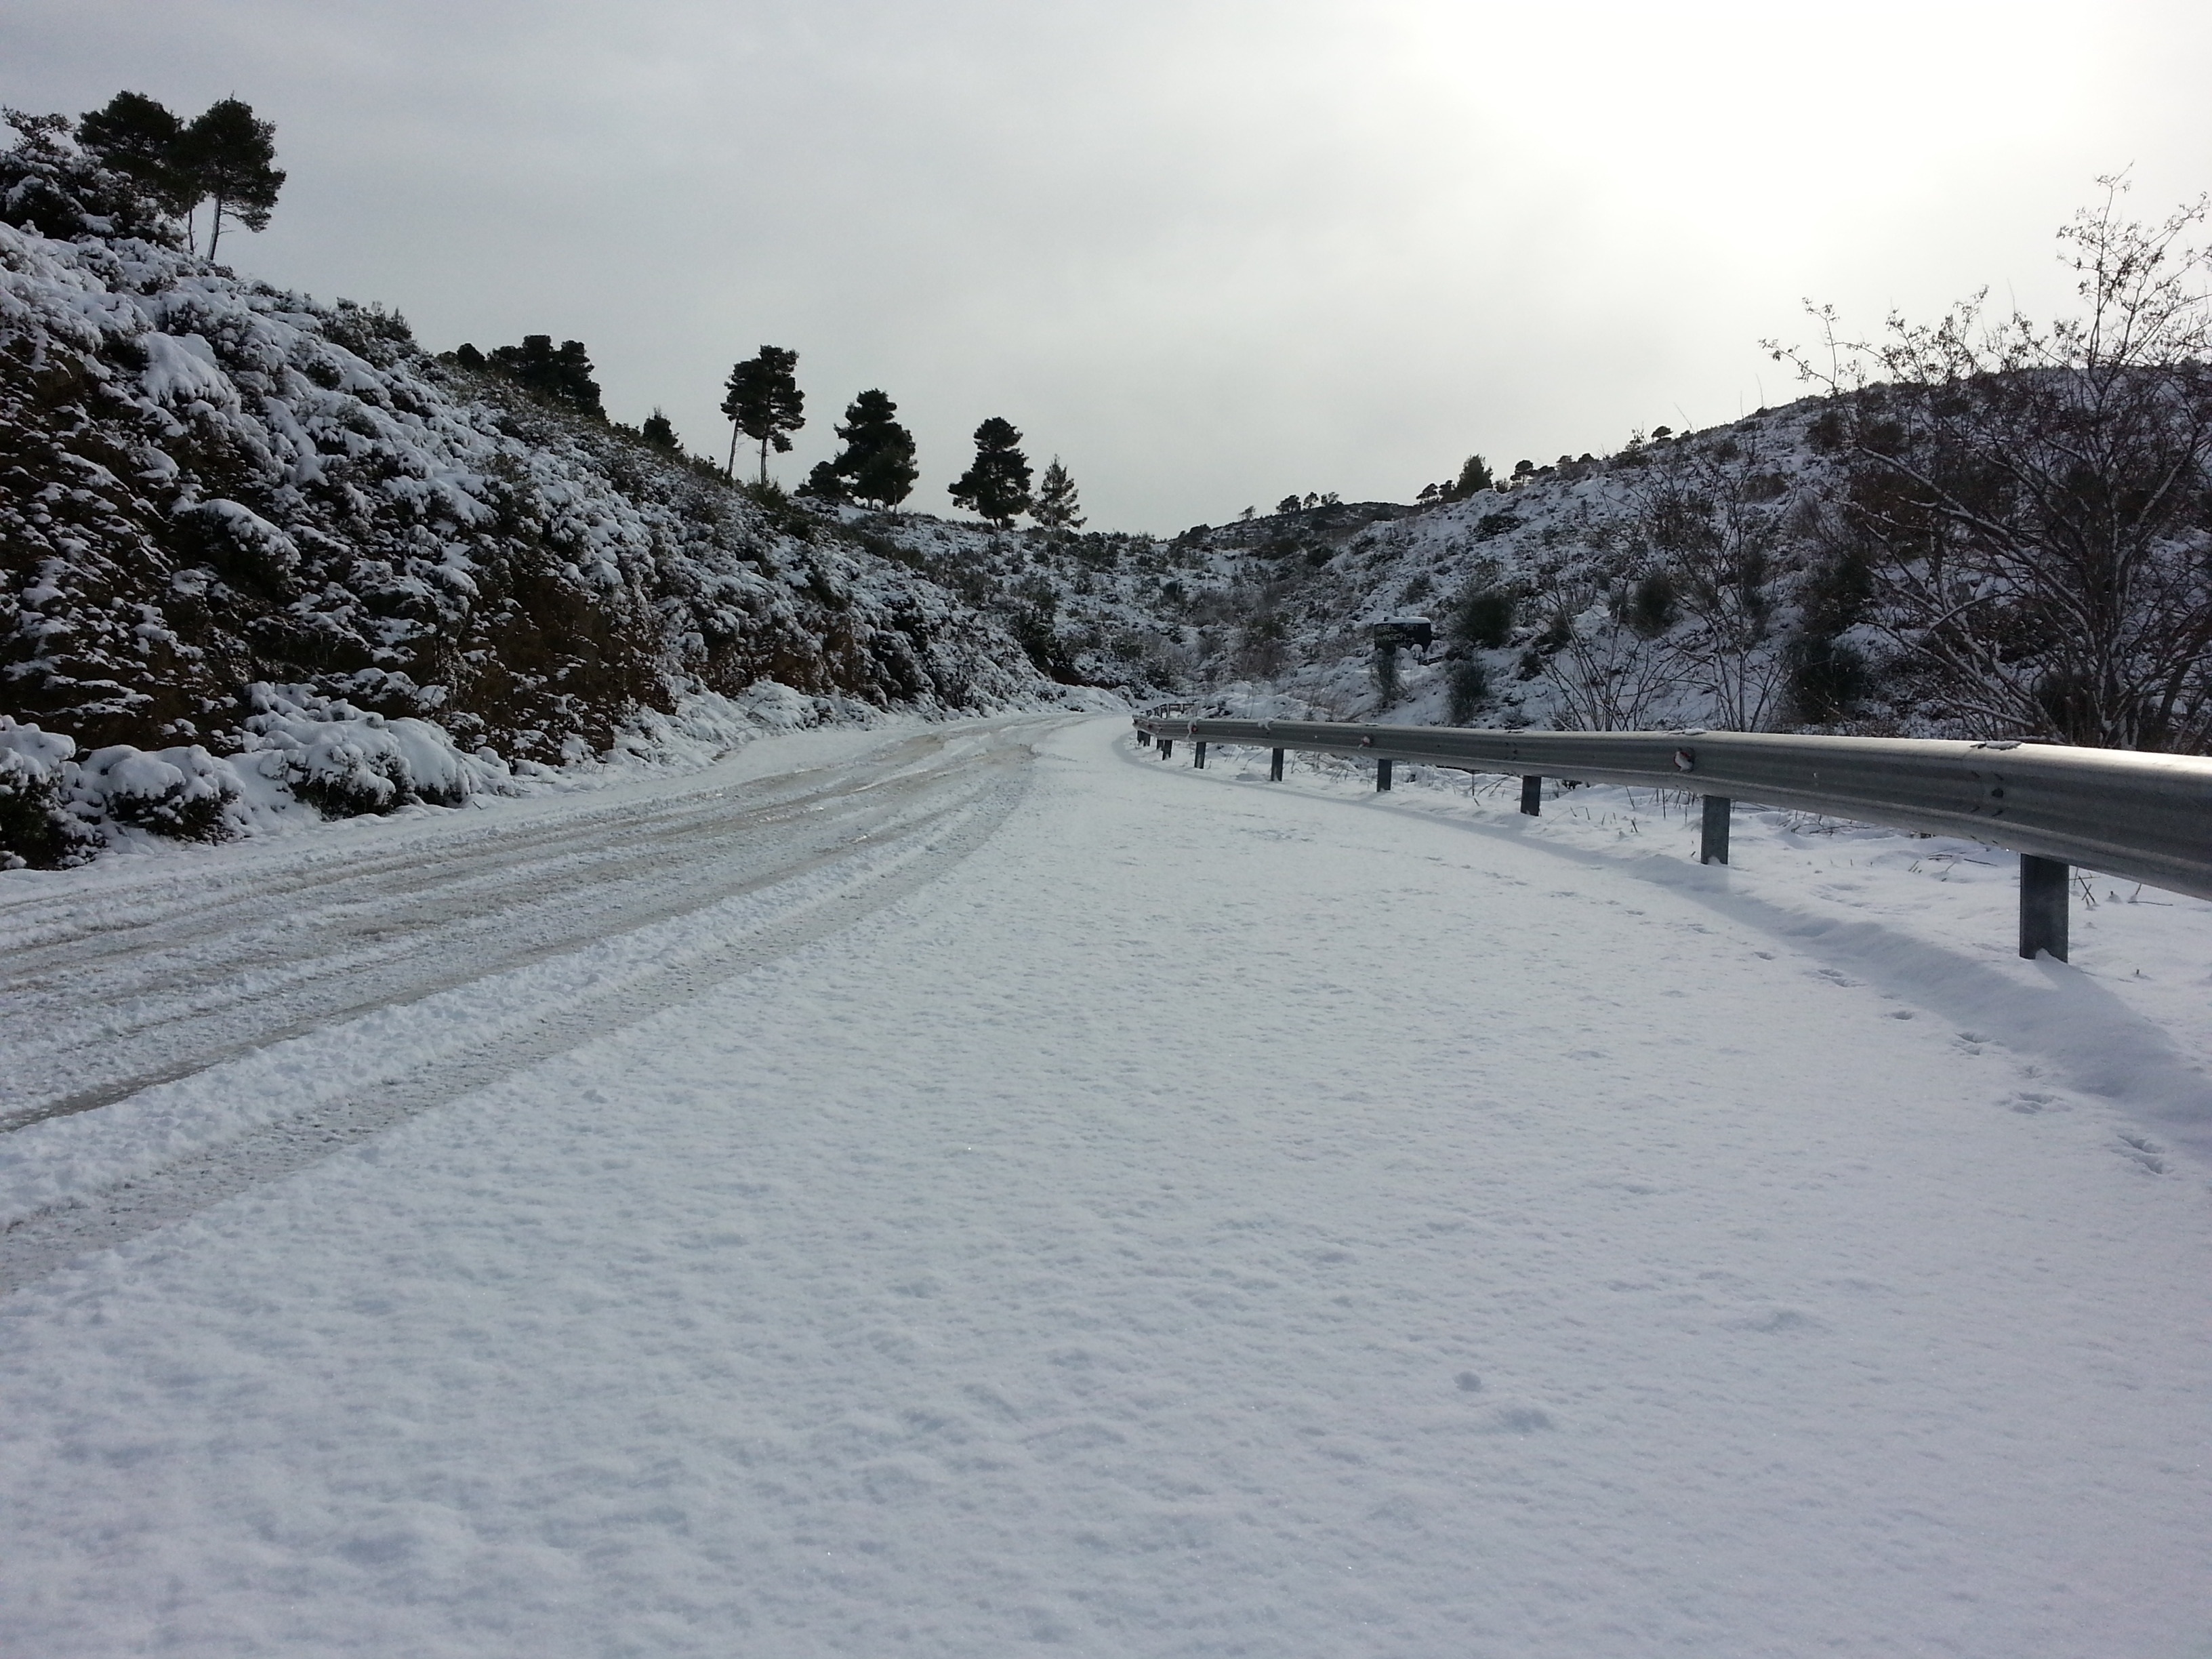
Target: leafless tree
{"x":2034,"y":501}
{"x":1608,"y":679}
{"x":1709,"y":526}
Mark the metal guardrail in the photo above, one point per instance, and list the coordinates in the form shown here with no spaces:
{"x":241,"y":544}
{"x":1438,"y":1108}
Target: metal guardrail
{"x":2147,"y":817}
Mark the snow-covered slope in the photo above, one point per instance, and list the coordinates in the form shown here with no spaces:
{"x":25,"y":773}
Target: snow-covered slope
{"x":227,"y":506}
{"x":1691,"y":579}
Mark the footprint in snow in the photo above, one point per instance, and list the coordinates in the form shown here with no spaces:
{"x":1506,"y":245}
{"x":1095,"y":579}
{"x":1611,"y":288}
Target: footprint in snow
{"x":2143,"y":1154}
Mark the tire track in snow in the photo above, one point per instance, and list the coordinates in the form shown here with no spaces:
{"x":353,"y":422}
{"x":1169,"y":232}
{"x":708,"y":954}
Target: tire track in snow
{"x":959,"y":805}
{"x":202,"y":976}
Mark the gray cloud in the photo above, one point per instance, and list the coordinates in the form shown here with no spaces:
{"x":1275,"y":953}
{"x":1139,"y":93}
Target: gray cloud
{"x":1207,"y":251}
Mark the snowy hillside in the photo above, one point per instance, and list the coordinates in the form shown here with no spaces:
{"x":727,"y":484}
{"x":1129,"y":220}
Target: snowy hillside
{"x":1923,"y":557}
{"x":1685,"y":581}
{"x":262,"y":552}
{"x":237,"y":520}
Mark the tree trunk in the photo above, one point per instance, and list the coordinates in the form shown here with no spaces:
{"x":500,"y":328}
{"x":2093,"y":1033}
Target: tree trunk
{"x":214,"y":231}
{"x":730,"y":471}
{"x":763,"y":464}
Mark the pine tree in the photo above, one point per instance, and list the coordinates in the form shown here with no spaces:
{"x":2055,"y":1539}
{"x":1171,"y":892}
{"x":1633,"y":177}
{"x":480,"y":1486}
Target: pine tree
{"x":226,"y":155}
{"x":826,"y":483}
{"x":563,"y":377}
{"x":996,"y":486}
{"x":878,"y":460}
{"x":660,"y":433}
{"x":140,"y":139}
{"x":1473,"y":479}
{"x":765,"y":404}
{"x":1057,"y":508}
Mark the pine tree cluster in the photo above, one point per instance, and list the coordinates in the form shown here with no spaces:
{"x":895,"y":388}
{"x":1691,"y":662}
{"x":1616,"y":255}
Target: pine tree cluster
{"x":563,"y":377}
{"x":223,"y":156}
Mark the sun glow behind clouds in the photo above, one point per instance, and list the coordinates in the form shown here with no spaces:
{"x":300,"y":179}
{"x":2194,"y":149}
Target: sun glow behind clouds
{"x":1207,"y":251}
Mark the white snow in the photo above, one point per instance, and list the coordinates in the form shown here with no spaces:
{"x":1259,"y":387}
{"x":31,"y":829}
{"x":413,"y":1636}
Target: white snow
{"x":1212,"y":1219}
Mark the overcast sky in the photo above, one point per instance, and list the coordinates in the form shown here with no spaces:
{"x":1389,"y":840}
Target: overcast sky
{"x":1208,"y":252}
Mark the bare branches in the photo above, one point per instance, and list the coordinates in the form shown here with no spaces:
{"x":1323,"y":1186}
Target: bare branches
{"x":2034,"y":499}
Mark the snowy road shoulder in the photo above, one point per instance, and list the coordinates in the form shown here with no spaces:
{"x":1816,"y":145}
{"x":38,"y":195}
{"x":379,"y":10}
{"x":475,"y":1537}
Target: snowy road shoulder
{"x":1928,"y":921}
{"x":1205,"y":1219}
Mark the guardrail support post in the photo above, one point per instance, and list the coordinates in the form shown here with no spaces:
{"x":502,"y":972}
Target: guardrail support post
{"x":1274,"y":766}
{"x":1381,"y":775}
{"x":1144,"y":740}
{"x":1167,"y":748}
{"x":1532,"y":797}
{"x":2043,"y":884}
{"x":1712,"y":837}
{"x":1197,"y":755}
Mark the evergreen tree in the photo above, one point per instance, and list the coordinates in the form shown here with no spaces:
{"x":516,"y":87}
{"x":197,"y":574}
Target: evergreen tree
{"x":1288,"y":504}
{"x":825,"y":484}
{"x":562,"y":377}
{"x":227,"y":155}
{"x":658,"y":432}
{"x":1473,"y":479}
{"x":878,"y":460}
{"x":1057,"y":508}
{"x":136,"y":136}
{"x":996,"y":486}
{"x":764,"y":402}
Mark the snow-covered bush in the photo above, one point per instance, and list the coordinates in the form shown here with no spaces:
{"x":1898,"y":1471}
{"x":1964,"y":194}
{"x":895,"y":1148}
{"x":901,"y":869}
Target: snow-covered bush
{"x":37,"y":828}
{"x":183,"y":793}
{"x":344,"y":761}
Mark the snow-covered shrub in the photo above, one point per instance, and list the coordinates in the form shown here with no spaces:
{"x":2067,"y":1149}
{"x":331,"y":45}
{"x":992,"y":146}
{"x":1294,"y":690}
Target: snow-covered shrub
{"x":37,"y":828}
{"x":344,"y":762}
{"x":183,"y":793}
{"x":237,"y":541}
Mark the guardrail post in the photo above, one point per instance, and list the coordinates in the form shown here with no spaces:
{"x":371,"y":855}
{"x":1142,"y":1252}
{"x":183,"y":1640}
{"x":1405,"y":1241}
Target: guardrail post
{"x":1532,"y":797}
{"x":1197,"y":755}
{"x":1274,"y":766}
{"x":1144,"y":740}
{"x":1167,"y":748}
{"x":1712,"y":836}
{"x":1382,"y":774}
{"x":2043,"y":884}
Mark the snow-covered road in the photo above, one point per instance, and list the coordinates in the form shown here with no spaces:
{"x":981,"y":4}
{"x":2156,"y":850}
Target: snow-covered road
{"x":1112,"y":1208}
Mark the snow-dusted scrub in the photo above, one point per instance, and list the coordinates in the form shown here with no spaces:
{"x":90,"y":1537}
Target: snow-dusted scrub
{"x":1986,"y":527}
{"x":1682,"y":580}
{"x":207,"y":485}
{"x":36,"y":778}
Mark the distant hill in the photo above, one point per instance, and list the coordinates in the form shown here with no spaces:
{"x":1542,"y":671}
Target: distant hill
{"x":1683,"y":580}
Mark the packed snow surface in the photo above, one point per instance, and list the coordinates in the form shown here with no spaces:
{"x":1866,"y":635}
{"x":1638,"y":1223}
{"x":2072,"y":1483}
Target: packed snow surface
{"x":1182,"y":1215}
